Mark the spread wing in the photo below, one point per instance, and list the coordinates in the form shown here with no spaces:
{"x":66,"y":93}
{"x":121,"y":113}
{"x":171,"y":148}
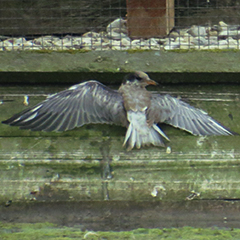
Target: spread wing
{"x":179,"y":114}
{"x":88,"y":102}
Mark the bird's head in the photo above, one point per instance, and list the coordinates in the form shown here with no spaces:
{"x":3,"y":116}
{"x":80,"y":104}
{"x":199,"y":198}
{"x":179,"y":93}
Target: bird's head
{"x":139,"y":78}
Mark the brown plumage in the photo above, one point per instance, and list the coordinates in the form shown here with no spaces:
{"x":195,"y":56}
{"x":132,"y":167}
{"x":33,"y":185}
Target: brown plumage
{"x":132,"y":106}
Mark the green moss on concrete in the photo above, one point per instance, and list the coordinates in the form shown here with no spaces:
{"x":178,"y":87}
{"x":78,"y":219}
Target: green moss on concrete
{"x":177,"y":61}
{"x":138,"y":50}
{"x":26,"y":231}
{"x":71,"y":51}
{"x":203,"y":50}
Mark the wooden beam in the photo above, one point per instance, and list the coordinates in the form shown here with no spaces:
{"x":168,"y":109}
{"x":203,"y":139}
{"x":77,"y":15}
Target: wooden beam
{"x":152,"y":18}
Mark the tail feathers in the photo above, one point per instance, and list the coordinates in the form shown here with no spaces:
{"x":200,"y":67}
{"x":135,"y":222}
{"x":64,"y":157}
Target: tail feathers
{"x":160,"y":131}
{"x":138,"y":137}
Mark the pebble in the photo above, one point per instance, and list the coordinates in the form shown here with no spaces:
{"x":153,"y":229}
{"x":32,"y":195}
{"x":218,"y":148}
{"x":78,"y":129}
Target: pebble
{"x":118,"y":26}
{"x":200,"y":41}
{"x":232,"y":41}
{"x":116,"y":35}
{"x":172,"y":46}
{"x":125,"y":42}
{"x":232,"y":33}
{"x":220,"y":36}
{"x":91,"y":34}
{"x":197,"y":31}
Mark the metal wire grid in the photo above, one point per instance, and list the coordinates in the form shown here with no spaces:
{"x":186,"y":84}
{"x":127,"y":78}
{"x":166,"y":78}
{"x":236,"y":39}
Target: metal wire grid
{"x":103,"y":25}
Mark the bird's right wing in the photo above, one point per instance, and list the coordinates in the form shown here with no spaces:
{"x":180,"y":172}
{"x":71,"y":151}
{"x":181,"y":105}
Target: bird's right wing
{"x":88,"y":102}
{"x":170,"y":110}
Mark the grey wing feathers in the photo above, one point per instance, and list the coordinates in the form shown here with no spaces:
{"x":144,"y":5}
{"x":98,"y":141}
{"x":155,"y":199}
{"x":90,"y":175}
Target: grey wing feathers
{"x":88,"y":102}
{"x":179,"y":114}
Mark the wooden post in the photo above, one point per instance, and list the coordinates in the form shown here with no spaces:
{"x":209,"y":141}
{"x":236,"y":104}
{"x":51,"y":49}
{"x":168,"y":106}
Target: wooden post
{"x":151,"y":18}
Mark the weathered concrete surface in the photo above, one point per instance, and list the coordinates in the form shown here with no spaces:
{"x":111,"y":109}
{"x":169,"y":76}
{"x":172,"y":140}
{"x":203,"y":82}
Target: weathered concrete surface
{"x":58,"y":177}
{"x":67,"y":166}
{"x":112,"y":62}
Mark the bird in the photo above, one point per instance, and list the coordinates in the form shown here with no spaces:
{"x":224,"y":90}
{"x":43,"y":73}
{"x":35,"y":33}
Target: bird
{"x":131,"y":106}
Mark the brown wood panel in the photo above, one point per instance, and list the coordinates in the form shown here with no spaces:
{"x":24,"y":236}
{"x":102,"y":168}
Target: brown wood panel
{"x":152,"y":18}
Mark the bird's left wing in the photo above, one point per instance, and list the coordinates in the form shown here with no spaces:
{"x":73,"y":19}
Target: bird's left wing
{"x":170,"y":110}
{"x":88,"y":102}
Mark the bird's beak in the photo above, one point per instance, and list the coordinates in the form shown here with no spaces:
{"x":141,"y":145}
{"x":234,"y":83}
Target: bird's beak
{"x":151,"y":82}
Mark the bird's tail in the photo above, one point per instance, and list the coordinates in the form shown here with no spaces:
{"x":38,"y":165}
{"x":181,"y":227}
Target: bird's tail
{"x":139,"y":133}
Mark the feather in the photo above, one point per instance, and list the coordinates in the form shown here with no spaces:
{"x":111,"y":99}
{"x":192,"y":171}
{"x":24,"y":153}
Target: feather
{"x":88,"y":102}
{"x":179,"y":114}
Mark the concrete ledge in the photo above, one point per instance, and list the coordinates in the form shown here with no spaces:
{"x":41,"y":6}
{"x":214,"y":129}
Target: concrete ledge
{"x":120,"y":61}
{"x":85,"y":65}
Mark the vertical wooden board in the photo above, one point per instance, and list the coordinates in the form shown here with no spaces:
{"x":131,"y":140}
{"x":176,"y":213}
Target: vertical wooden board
{"x":151,"y":18}
{"x":170,"y":15}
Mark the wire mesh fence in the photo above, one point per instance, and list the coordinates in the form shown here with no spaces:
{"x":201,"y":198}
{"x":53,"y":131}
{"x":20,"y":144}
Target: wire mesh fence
{"x":119,"y":24}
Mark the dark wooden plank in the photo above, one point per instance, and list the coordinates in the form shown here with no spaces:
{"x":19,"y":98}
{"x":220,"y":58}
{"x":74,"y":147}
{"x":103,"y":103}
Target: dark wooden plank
{"x":58,"y":17}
